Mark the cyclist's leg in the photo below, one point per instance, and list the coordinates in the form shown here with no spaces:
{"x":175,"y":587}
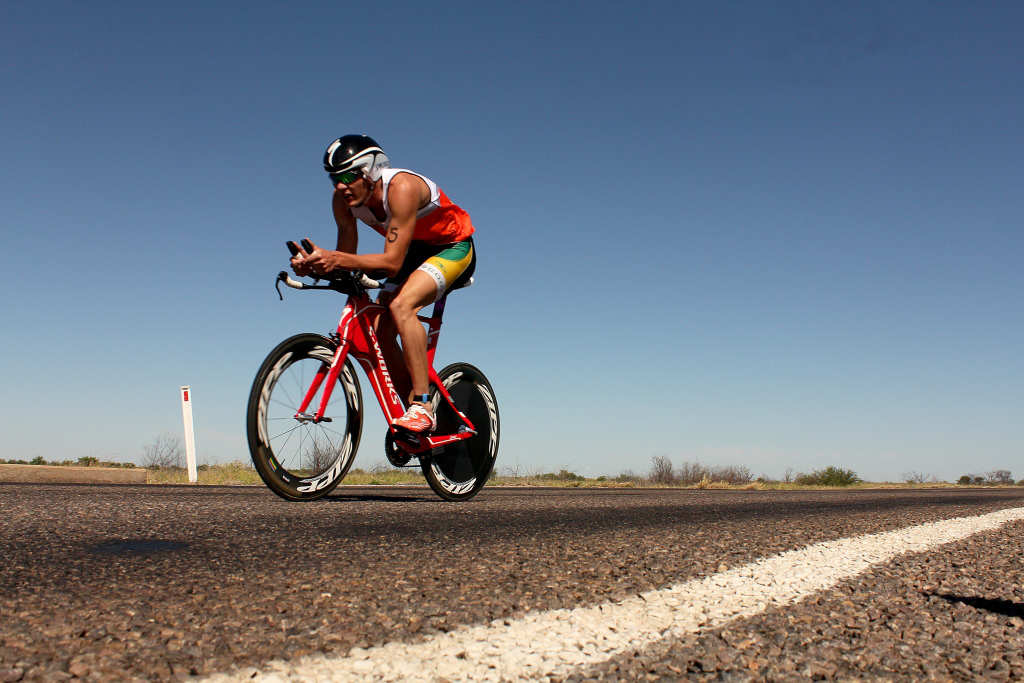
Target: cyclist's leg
{"x":387,"y":336}
{"x":425,"y":285}
{"x":387,"y":331}
{"x":432,"y":278}
{"x":418,"y":291}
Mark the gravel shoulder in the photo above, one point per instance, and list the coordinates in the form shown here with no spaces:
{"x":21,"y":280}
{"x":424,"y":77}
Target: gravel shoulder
{"x":956,"y":613}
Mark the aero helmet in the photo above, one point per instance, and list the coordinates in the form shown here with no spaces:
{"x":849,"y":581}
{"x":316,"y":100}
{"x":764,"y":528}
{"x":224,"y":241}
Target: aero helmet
{"x":356,"y":152}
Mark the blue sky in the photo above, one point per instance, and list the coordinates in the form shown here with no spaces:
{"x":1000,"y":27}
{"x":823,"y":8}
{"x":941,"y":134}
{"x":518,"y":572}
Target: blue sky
{"x":780,"y":235}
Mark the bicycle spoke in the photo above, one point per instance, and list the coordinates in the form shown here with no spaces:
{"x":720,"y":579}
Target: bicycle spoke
{"x":288,"y":432}
{"x":298,"y":378}
{"x":335,"y":446}
{"x":286,"y":390}
{"x":333,"y":431}
{"x":290,"y":407}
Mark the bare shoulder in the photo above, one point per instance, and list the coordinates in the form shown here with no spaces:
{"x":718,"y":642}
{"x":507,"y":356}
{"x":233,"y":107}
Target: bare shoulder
{"x":408,"y":190}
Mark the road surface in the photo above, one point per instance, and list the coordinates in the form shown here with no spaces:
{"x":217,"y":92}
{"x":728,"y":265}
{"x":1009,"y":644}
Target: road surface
{"x":155,"y":582}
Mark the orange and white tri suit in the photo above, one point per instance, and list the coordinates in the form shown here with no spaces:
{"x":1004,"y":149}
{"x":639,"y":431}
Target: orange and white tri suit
{"x":442,"y":242}
{"x":439,"y":222}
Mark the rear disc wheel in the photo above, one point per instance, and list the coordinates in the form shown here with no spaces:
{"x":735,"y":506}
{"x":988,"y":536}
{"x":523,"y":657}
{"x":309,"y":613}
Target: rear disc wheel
{"x":459,"y":470}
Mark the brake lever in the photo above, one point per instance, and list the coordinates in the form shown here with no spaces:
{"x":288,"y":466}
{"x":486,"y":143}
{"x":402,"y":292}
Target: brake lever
{"x":277,"y":284}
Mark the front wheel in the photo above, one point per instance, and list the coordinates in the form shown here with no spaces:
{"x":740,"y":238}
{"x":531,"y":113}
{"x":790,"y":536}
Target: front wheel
{"x":299,"y":459}
{"x":459,"y":470}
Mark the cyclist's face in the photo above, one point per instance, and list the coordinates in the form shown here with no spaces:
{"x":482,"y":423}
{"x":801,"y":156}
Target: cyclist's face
{"x":355,"y":193}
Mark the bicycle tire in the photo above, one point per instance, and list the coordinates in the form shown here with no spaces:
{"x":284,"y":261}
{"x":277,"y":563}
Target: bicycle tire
{"x":297,"y":459}
{"x":458,"y":471}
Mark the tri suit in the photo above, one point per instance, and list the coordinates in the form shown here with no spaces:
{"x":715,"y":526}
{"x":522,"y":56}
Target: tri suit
{"x":442,"y":240}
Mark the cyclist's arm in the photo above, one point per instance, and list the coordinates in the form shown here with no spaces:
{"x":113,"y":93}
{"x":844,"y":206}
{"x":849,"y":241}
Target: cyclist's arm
{"x":404,"y":199}
{"x":405,"y":195}
{"x":348,"y":238}
{"x":348,"y":235}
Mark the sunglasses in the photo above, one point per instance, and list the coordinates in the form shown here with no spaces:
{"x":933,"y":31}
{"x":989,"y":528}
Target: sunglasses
{"x":345,"y":177}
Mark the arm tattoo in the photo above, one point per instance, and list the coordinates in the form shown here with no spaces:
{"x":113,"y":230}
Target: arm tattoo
{"x":392,"y":234}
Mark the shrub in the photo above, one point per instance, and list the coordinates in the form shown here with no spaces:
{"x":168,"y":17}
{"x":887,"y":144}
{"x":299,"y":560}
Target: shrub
{"x":1000,"y":477}
{"x":732,"y":474}
{"x":321,"y":454}
{"x":562,"y":475}
{"x":38,"y":460}
{"x":964,"y":480}
{"x":628,"y":477}
{"x":661,"y":470}
{"x":163,"y":452}
{"x":692,"y":473}
{"x":830,"y":476}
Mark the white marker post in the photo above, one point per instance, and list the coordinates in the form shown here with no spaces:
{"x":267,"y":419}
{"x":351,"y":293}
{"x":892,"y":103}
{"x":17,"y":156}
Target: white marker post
{"x":190,"y":435}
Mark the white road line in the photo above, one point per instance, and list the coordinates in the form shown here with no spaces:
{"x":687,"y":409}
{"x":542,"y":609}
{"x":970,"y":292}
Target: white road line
{"x":559,"y":642}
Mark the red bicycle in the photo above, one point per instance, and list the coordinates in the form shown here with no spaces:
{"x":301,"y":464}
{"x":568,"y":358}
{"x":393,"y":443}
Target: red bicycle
{"x":303,"y":436}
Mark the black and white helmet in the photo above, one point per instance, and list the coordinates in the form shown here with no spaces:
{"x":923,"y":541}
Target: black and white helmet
{"x":356,"y":152}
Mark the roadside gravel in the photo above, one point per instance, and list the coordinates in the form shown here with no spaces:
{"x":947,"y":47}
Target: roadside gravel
{"x":952,"y":614}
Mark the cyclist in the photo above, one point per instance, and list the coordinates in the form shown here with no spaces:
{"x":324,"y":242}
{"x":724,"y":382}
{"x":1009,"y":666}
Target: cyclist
{"x":428,"y":248}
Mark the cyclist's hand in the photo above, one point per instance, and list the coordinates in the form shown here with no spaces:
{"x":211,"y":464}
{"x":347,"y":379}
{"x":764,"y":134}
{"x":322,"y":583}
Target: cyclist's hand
{"x":318,"y":260}
{"x":300,"y":263}
{"x":300,"y":266}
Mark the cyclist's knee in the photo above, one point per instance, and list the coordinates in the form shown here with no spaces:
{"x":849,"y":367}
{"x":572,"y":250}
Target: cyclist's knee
{"x":401,"y":309}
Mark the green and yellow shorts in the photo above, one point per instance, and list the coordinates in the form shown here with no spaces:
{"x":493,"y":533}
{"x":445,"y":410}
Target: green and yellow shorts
{"x":449,"y":265}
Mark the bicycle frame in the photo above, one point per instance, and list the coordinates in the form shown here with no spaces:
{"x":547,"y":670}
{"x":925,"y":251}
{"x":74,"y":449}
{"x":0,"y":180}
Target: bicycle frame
{"x":357,"y":337}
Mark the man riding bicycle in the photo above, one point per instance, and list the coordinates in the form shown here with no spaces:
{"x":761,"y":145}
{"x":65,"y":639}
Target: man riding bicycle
{"x":428,"y":249}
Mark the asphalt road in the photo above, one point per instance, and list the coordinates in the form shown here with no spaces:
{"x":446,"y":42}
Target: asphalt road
{"x":167,"y":582}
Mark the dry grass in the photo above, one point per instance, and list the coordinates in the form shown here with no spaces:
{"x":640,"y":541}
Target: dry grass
{"x":381,"y":476}
{"x":243,"y":474}
{"x":231,"y":474}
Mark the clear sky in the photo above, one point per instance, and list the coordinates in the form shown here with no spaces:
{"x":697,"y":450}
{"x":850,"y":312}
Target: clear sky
{"x":779,"y":235}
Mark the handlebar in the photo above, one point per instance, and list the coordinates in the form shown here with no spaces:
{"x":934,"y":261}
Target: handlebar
{"x":353,"y":277}
{"x":346,"y":282}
